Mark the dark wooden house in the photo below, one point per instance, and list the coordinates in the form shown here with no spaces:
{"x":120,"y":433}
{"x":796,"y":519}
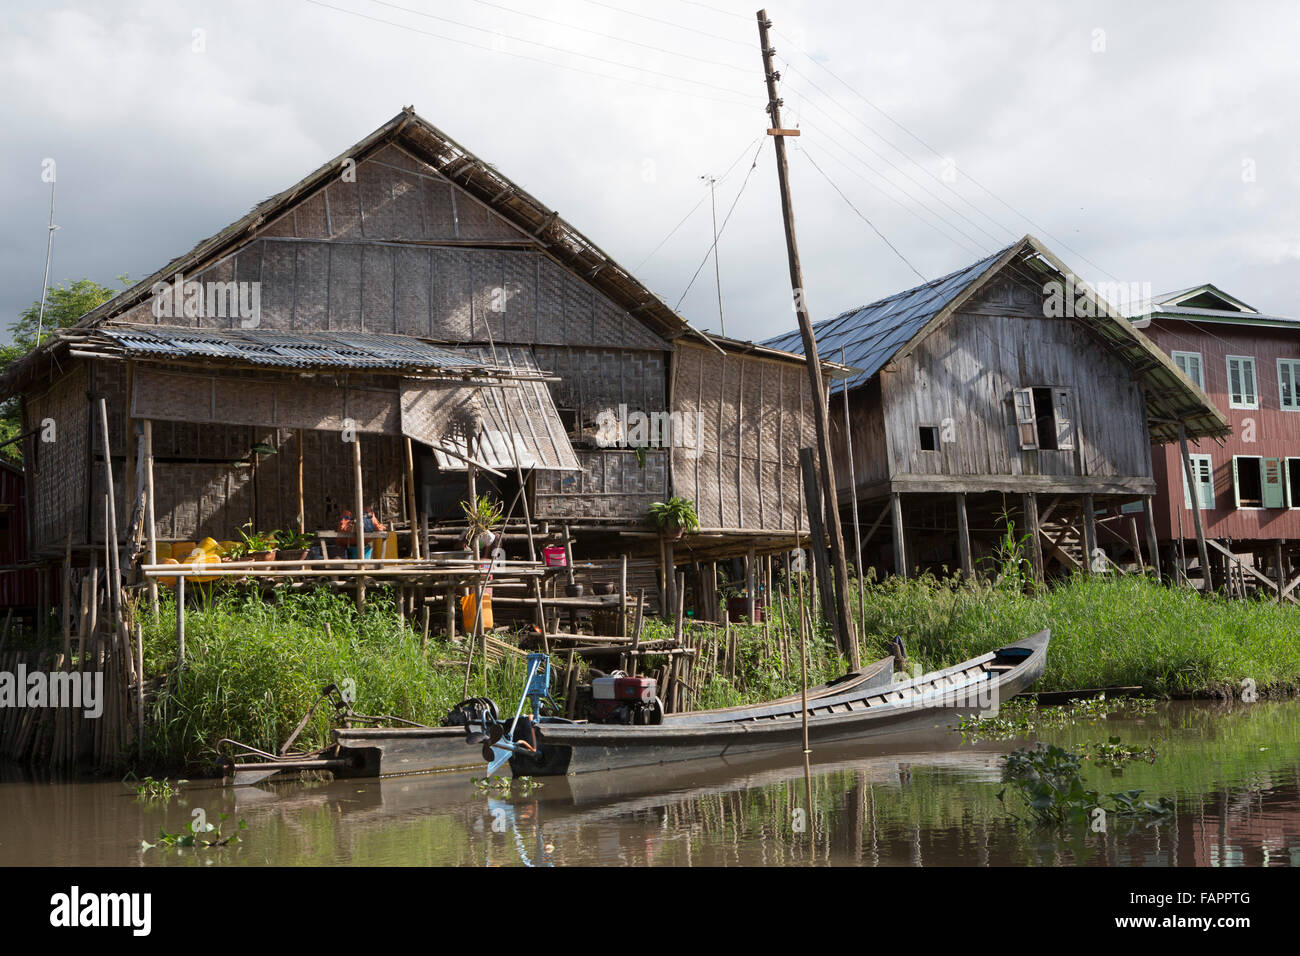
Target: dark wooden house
{"x":411,"y":292}
{"x":1003,"y":394}
{"x":1248,"y":485}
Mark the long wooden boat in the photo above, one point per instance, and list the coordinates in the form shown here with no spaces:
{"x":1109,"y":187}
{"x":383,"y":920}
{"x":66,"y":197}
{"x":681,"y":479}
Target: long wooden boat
{"x":862,"y":713}
{"x":385,"y":751}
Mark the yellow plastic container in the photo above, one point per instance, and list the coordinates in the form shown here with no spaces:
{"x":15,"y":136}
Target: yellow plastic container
{"x":168,"y":582}
{"x":182,"y":549}
{"x":198,"y":558}
{"x":467,"y":611}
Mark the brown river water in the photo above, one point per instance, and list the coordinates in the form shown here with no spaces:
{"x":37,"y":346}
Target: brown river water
{"x":1234,"y":773}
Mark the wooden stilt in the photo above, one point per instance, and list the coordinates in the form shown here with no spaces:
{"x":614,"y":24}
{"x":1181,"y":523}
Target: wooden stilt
{"x":900,"y":546}
{"x":410,"y":499}
{"x":1030,"y":504}
{"x":1092,"y":560}
{"x":963,"y":538}
{"x":151,"y":513}
{"x":1153,"y":545}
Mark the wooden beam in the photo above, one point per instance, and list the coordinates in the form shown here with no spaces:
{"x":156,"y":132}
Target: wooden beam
{"x":1090,"y":545}
{"x":963,"y":537}
{"x":900,"y":546}
{"x":1153,"y":544}
{"x":1030,"y":506}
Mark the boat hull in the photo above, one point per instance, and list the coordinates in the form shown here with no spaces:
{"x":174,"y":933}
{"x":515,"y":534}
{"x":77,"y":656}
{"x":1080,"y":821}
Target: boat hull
{"x":936,"y":702}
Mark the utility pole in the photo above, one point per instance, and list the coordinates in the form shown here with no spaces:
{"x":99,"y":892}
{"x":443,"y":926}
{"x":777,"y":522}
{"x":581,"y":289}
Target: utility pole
{"x":717,"y":271}
{"x":49,"y":248}
{"x":845,"y":633}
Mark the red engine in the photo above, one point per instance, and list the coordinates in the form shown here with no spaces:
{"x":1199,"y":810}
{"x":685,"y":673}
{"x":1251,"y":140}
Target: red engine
{"x":619,"y":699}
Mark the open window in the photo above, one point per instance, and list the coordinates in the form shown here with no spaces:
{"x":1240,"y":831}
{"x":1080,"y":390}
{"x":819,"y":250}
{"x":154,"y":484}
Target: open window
{"x":929,"y":436}
{"x":1044,"y":418}
{"x":1259,"y":482}
{"x":1291,"y":469}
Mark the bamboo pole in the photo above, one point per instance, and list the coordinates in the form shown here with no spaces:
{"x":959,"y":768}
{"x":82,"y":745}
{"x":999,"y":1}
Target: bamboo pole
{"x":302,"y":498}
{"x":110,"y":528}
{"x":151,"y":512}
{"x":410,"y":497}
{"x":359,"y":518}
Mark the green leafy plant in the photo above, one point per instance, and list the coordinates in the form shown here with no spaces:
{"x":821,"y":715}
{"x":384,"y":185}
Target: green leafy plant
{"x":205,"y":835}
{"x":1014,"y":571}
{"x":482,"y":516}
{"x":252,"y":542}
{"x":291,"y":540}
{"x":1049,"y":782}
{"x":674,"y":515}
{"x":151,"y":789}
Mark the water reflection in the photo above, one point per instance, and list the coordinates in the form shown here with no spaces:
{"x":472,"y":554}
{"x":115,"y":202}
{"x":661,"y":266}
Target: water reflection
{"x":1234,"y":774}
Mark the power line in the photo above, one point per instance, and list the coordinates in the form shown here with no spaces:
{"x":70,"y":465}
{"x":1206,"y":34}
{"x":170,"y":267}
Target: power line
{"x":612,"y":36}
{"x":970,"y":245}
{"x":669,"y":23}
{"x":906,"y":155}
{"x":896,"y":168}
{"x":967,"y":175}
{"x":726,"y":219}
{"x":525,"y":56}
{"x":690,"y":213}
{"x":882,"y":236}
{"x":557,"y":49}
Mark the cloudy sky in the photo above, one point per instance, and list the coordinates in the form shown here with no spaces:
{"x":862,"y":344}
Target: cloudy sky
{"x":1145,"y":143}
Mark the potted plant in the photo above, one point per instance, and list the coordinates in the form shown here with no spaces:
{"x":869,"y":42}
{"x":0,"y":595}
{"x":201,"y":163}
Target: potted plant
{"x":256,"y":545}
{"x":293,"y":545}
{"x":481,"y":519}
{"x":674,"y":517}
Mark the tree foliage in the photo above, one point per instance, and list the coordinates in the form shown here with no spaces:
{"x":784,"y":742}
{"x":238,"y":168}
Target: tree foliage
{"x":64,"y":305}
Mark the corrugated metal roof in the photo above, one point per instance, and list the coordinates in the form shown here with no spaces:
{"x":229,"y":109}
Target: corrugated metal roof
{"x":520,"y":421}
{"x":872,"y":334}
{"x":282,"y":349}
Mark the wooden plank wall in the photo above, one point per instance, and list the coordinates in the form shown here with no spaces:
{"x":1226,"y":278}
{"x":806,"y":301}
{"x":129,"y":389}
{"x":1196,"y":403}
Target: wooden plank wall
{"x":965,"y":372}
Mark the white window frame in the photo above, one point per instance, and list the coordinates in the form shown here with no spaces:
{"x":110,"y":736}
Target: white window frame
{"x":1293,"y":366}
{"x":1196,"y":471}
{"x":1286,"y":477}
{"x":1254,"y":381}
{"x":1199,"y":377}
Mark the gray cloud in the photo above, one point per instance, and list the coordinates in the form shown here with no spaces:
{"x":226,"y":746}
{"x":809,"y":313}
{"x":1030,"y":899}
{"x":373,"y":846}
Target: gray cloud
{"x":1132,"y":156}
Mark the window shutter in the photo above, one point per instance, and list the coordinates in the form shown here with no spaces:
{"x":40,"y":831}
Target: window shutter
{"x":1064,"y":423}
{"x":1026,"y":424}
{"x":1286,"y":481}
{"x":1271,"y":475}
{"x":1205,"y":482}
{"x":1236,"y":484}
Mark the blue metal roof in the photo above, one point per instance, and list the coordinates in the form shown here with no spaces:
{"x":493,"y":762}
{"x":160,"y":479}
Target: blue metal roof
{"x":272,"y":347}
{"x":873,"y":334}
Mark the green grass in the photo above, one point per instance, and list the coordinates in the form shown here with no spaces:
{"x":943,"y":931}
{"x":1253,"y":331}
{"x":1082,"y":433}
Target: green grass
{"x":1119,"y":632}
{"x":254,"y":666}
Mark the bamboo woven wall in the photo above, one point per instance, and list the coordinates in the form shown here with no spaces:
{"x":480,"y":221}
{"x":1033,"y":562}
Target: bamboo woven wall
{"x":344,"y":258}
{"x":612,"y":484}
{"x":742,"y":469}
{"x":56,"y":470}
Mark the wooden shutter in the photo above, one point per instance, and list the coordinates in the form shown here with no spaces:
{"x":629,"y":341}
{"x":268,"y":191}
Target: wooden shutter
{"x":1236,"y":484}
{"x":1026,"y":423}
{"x":1271,"y":479}
{"x":1203,"y":480}
{"x":1064,"y":421}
